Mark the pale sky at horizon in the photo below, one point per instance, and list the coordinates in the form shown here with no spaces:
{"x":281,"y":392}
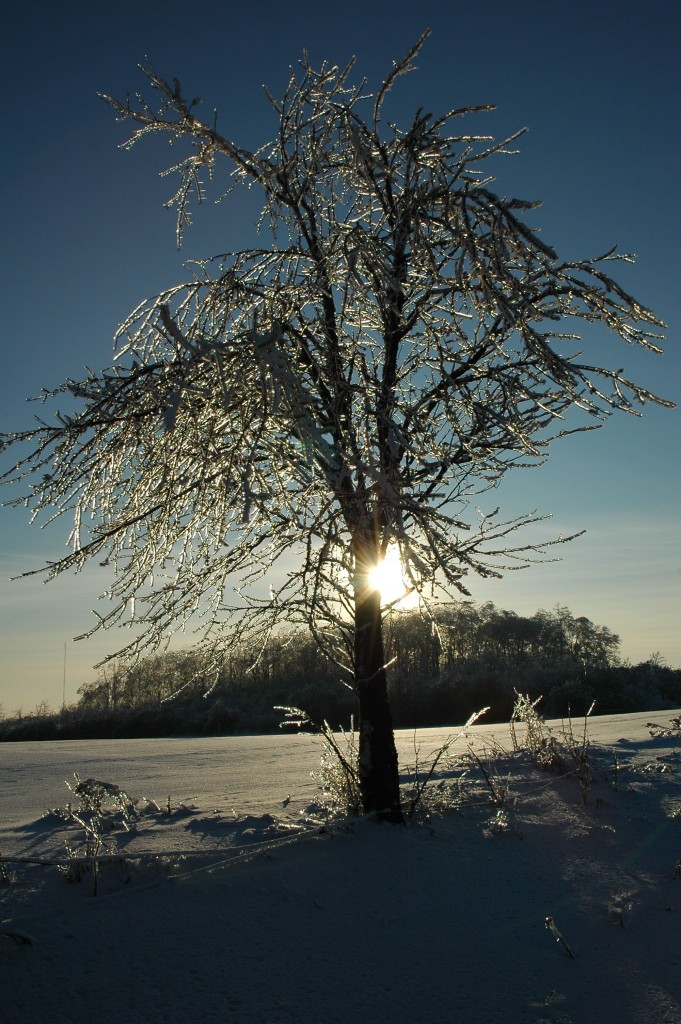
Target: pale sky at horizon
{"x":86,"y":238}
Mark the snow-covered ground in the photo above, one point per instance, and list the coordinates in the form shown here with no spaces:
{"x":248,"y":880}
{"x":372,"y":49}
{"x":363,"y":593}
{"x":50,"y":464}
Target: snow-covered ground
{"x":237,"y":907}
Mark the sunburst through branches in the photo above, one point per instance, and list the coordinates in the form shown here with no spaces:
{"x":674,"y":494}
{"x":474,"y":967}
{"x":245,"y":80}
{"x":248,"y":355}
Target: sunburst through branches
{"x":388,"y":577}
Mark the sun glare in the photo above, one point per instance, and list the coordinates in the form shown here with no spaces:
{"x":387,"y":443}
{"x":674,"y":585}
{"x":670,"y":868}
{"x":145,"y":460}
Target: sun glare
{"x":389,"y":579}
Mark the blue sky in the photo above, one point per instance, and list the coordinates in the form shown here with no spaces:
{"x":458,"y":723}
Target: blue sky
{"x":86,"y":237}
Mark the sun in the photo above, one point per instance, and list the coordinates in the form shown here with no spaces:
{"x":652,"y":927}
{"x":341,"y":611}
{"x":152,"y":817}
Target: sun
{"x":388,"y":577}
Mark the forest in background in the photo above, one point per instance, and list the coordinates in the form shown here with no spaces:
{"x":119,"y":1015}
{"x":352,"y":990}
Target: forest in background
{"x":441,"y":671}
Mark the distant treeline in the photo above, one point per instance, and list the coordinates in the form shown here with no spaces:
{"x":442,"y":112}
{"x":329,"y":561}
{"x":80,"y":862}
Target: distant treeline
{"x":441,"y":672}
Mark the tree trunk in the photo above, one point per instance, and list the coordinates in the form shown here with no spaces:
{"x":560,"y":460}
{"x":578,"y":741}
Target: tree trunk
{"x":378,"y":771}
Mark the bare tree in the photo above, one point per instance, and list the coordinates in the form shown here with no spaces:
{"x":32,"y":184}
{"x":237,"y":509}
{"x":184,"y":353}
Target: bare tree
{"x":397,"y":346}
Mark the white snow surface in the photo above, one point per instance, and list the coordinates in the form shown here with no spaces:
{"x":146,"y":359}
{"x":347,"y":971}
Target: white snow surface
{"x":240,"y":906}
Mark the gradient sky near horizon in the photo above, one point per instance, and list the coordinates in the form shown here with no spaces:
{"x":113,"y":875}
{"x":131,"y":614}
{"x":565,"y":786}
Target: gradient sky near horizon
{"x":86,"y":237}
